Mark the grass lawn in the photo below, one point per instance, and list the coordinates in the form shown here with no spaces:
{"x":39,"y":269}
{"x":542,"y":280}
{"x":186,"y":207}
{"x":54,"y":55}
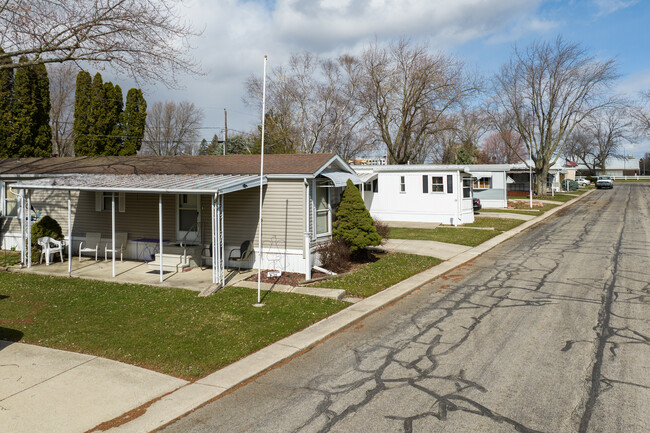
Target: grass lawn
{"x":168,"y":330}
{"x":500,"y":224}
{"x":450,"y":235}
{"x":557,"y":197}
{"x":9,"y":258}
{"x":373,"y":277}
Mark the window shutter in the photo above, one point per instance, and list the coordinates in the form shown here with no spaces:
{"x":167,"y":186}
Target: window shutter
{"x":122,"y":202}
{"x":99,"y":201}
{"x":425,"y":184}
{"x":450,"y":184}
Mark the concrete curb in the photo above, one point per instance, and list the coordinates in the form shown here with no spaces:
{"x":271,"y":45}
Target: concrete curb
{"x":174,"y":405}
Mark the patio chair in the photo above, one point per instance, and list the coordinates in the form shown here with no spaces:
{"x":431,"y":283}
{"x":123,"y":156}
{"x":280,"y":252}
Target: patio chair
{"x":244,"y":254}
{"x":120,"y":242}
{"x":91,"y":244}
{"x":49,"y":247}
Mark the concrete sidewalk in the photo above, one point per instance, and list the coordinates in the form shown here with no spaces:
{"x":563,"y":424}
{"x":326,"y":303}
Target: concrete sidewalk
{"x":440,"y":250}
{"x":154,"y":400}
{"x":49,"y":390}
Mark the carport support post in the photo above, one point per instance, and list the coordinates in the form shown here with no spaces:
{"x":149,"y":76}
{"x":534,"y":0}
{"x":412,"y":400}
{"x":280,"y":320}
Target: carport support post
{"x":69,"y":235}
{"x":29,"y":231}
{"x":113,"y":229}
{"x":160,"y":235}
{"x":23,"y":256}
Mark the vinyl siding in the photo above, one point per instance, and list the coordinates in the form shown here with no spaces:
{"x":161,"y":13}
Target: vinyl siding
{"x":283,"y":215}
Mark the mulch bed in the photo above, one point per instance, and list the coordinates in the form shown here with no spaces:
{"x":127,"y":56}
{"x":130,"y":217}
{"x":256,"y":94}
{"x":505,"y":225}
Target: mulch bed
{"x":287,"y":278}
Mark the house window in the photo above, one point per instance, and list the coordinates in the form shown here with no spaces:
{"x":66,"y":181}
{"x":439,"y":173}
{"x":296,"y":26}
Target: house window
{"x":323,"y":212}
{"x":402,"y":184}
{"x":482,"y":183}
{"x":467,"y":187}
{"x":10,"y":202}
{"x":103,"y":201}
{"x":436,"y":184}
{"x":450,"y":184}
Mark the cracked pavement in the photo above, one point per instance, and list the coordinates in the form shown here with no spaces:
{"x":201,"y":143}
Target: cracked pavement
{"x":547,"y":332}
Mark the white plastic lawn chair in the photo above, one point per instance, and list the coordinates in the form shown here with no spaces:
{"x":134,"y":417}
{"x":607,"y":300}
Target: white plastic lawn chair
{"x":120,"y":242}
{"x":49,"y":247}
{"x":91,"y":244}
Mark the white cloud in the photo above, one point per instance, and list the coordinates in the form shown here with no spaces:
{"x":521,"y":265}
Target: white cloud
{"x":238,"y":33}
{"x":606,"y":7}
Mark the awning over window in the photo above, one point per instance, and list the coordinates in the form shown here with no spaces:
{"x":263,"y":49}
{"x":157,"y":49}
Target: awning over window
{"x":340,"y":178}
{"x":367,"y":177}
{"x":145,"y":183}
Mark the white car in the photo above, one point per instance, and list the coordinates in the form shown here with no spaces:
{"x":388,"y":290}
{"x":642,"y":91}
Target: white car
{"x":583,"y":181}
{"x":604,"y":182}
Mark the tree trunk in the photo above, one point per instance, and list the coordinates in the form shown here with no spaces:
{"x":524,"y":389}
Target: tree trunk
{"x":540,"y":181}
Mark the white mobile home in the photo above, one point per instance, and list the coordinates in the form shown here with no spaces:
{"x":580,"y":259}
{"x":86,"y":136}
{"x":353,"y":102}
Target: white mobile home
{"x":418,"y":193}
{"x":490,"y":184}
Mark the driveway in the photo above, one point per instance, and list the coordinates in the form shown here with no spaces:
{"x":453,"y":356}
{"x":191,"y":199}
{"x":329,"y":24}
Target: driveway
{"x":49,"y":390}
{"x":547,"y":332}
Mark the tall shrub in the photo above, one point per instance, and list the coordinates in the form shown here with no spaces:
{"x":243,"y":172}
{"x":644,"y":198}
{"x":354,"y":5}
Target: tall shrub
{"x":354,"y":225}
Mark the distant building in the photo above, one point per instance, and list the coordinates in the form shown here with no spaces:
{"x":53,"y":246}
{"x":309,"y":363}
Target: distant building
{"x":368,"y":161}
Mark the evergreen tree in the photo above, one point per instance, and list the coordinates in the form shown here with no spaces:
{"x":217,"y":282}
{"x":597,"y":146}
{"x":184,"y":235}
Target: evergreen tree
{"x":23,"y":113}
{"x":354,"y":225}
{"x":203,"y":147}
{"x":113,"y":120}
{"x":6,"y":97}
{"x":81,"y":109}
{"x":464,"y":157}
{"x":215,"y":148}
{"x":42,"y":145}
{"x":97,"y":122}
{"x":133,"y":122}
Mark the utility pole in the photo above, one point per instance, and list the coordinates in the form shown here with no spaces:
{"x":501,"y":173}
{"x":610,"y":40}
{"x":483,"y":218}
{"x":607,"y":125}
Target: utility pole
{"x":225,"y":133}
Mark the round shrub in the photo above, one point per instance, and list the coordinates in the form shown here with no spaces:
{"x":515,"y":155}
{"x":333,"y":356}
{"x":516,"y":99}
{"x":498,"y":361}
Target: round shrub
{"x":46,"y":226}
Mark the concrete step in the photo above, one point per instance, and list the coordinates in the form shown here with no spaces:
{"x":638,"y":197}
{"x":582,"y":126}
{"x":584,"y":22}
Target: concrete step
{"x":170,"y":262}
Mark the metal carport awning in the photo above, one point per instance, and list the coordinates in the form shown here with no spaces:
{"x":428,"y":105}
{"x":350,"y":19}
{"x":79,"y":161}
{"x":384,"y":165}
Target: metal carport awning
{"x":145,"y":183}
{"x":215,"y":185}
{"x":340,"y":178}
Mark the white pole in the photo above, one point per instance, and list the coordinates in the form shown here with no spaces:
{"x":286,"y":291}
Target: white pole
{"x":69,"y":234}
{"x":259,"y":267}
{"x":23,"y":256}
{"x":29,"y":231}
{"x":113,"y":229}
{"x":222,"y":252}
{"x":213,"y":252}
{"x":530,"y":176}
{"x":160,"y":236}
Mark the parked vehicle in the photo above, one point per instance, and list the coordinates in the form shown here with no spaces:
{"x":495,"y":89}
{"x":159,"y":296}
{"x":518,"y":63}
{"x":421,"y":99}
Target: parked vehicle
{"x":604,"y":182}
{"x":583,"y":182}
{"x":477,"y":204}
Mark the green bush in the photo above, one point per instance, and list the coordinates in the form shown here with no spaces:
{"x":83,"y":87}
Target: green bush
{"x":46,"y":226}
{"x":354,"y":225}
{"x":571,"y":185}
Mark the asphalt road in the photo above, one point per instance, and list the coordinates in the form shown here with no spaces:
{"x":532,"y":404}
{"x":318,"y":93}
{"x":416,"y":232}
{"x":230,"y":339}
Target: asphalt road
{"x":548,"y":332}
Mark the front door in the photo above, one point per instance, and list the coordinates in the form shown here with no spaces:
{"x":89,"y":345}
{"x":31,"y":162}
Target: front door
{"x":188,"y":218}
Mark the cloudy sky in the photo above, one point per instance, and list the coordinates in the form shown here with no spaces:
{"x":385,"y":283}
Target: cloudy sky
{"x":237,"y":34}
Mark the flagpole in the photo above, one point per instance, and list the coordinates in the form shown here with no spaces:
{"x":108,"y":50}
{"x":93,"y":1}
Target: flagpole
{"x":259,"y":224}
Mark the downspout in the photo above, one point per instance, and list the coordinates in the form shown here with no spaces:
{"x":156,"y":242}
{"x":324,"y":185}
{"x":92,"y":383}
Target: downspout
{"x":307,"y":246}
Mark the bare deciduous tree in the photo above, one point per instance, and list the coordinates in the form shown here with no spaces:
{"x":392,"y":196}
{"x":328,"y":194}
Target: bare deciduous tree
{"x":641,"y":114}
{"x":62,"y":90}
{"x":315,"y":98}
{"x":142,"y":38}
{"x":502,"y":148}
{"x":172,"y":128}
{"x":601,"y":136}
{"x":544,"y":93}
{"x":408,"y":92}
